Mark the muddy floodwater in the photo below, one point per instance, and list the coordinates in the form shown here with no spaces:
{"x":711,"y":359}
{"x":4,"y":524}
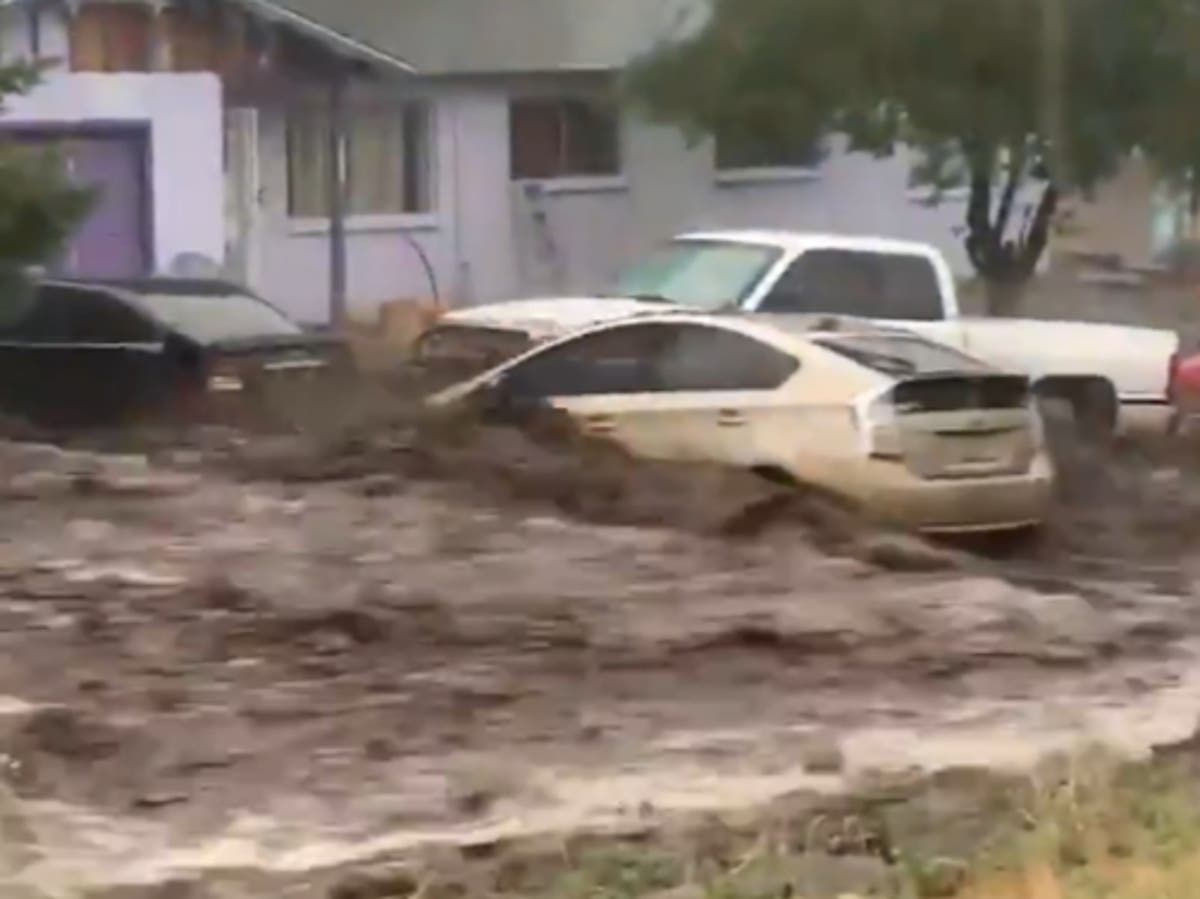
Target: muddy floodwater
{"x":279,"y":658}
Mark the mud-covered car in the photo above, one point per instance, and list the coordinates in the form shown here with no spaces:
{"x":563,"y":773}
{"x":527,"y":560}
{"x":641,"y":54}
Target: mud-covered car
{"x":86,"y":353}
{"x":906,"y":430}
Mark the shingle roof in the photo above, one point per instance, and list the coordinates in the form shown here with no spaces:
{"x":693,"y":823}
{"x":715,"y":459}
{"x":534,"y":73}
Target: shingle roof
{"x":349,"y":42}
{"x":440,"y":37}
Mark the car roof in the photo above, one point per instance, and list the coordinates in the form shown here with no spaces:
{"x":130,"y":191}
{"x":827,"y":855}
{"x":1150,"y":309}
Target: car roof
{"x":800,"y":241}
{"x":803,"y":327}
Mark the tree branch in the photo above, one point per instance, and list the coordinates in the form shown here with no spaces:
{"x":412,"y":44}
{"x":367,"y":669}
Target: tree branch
{"x":1016,"y":171}
{"x":1038,"y":236}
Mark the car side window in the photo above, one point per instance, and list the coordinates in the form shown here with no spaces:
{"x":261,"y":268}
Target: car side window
{"x":652,"y":358}
{"x":703,"y":358}
{"x":618,"y":360}
{"x":74,"y":315}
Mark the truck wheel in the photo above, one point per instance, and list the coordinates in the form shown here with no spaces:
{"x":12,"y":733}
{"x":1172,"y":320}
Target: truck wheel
{"x":1095,"y":405}
{"x":1058,"y":418}
{"x":1084,"y":407}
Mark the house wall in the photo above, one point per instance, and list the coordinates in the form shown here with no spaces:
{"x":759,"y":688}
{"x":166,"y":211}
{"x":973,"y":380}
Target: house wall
{"x":1117,"y":219}
{"x":489,"y":239}
{"x":182,"y":113}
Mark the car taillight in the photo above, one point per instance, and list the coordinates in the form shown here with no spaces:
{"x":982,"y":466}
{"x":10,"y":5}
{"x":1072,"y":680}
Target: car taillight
{"x":881,"y":431}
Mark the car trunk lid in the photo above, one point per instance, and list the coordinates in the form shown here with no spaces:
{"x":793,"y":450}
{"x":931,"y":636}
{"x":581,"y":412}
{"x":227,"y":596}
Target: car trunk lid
{"x":964,"y":425}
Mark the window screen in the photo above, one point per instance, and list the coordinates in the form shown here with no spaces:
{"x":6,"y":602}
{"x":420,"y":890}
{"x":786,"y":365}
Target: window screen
{"x":849,"y":282}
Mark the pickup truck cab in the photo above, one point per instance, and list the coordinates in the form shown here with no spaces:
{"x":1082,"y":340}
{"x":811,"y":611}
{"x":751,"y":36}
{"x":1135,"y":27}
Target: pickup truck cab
{"x":1112,"y":378}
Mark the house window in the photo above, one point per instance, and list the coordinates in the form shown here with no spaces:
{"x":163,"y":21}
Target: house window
{"x":736,"y":154}
{"x":563,"y":138}
{"x":112,"y":37}
{"x":388,"y":165}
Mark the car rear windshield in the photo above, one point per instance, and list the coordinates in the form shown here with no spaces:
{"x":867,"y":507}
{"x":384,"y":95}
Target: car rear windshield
{"x":901,"y":355}
{"x":212,"y":318}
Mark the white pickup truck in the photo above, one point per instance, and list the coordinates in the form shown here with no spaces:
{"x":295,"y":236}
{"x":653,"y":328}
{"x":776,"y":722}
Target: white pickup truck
{"x":1113,"y":378}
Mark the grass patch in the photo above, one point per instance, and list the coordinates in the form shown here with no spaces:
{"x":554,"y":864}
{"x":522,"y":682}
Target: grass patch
{"x":1089,"y":827}
{"x":1099,"y":830}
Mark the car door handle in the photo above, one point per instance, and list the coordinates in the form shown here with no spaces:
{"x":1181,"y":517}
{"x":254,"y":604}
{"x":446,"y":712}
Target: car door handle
{"x":730,"y":418}
{"x":599,"y":424}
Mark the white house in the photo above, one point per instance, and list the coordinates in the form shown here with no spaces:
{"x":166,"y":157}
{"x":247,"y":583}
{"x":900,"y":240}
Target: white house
{"x":482,"y":152}
{"x":516,"y":171}
{"x":145,"y":102}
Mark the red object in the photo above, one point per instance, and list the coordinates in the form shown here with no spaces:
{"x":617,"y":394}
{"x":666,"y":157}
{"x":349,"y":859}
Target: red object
{"x":1184,"y":387}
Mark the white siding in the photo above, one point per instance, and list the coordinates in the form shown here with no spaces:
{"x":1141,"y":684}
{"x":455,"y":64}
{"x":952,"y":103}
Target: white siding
{"x":487,"y":242}
{"x":182,"y":113}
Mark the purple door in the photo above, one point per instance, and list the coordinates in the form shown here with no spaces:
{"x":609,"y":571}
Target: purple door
{"x":111,"y":243}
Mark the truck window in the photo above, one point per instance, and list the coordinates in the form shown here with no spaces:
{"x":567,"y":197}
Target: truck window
{"x":854,"y":282}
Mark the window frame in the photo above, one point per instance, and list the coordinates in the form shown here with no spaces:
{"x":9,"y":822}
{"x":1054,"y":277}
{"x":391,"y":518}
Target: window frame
{"x":754,"y":171}
{"x":564,"y":174}
{"x":424,"y":219}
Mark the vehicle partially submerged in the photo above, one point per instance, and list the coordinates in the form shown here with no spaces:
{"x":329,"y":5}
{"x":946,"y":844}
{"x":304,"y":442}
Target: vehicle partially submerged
{"x":102,"y":353}
{"x":907,"y":430}
{"x":1108,"y":378}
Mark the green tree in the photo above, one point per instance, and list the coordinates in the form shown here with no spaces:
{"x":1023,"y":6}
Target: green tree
{"x":1000,"y":96}
{"x":39,"y":206}
{"x":1168,"y":130}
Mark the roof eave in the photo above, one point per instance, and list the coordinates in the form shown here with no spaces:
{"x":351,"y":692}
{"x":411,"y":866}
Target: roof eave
{"x":352,"y":47}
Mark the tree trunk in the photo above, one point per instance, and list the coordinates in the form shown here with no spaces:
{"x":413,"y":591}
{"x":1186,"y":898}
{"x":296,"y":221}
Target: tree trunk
{"x":1005,"y":263}
{"x":1002,"y":299}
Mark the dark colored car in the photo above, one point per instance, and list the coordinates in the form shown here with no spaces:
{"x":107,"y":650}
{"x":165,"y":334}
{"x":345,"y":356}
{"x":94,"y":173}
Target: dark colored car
{"x":87,"y":353}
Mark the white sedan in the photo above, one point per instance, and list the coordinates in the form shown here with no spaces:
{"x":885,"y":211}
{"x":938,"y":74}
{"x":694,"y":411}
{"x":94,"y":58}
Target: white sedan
{"x":908,"y":430}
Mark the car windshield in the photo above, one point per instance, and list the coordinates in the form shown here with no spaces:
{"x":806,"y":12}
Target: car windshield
{"x":896,"y":354}
{"x":706,"y":274}
{"x":210,"y":318}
